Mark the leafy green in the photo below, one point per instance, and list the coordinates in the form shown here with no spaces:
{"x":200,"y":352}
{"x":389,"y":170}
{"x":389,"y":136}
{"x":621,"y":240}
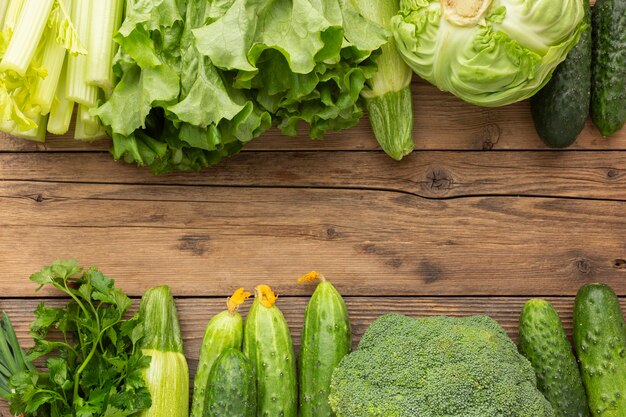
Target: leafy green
{"x":198,"y":80}
{"x":489,"y":54}
{"x":172,"y":109}
{"x":303,"y":60}
{"x":94,"y":365}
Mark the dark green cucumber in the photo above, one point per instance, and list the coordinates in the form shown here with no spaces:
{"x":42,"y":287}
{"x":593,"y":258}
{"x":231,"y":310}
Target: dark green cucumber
{"x":232,"y":389}
{"x":560,"y":108}
{"x":326,"y":339}
{"x":542,"y":340}
{"x":608,"y":66}
{"x":600,"y":340}
{"x":268,"y":346}
{"x":224,"y":331}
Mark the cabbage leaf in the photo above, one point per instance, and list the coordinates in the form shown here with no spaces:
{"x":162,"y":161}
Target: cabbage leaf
{"x":489,"y":53}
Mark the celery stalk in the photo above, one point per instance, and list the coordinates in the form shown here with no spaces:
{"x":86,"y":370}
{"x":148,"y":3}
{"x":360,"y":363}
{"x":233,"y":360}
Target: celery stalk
{"x":88,"y":127}
{"x":4,"y":5}
{"x":106,"y":18}
{"x":77,"y":88}
{"x":26,"y":36}
{"x":52,"y":60}
{"x":388,"y":93}
{"x":12,"y":14}
{"x":37,"y":134}
{"x":61,"y":110}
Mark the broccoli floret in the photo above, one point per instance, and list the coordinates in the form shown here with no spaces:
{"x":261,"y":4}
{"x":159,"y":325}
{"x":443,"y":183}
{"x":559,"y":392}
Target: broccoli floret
{"x":436,"y":367}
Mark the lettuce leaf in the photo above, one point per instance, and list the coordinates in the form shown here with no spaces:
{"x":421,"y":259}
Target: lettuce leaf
{"x":303,"y":60}
{"x":172,"y":108}
{"x":198,"y":80}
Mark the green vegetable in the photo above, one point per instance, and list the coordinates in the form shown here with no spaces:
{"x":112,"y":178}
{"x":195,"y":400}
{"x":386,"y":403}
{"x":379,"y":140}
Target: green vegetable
{"x":326,"y":339}
{"x":34,"y":44}
{"x":184,"y":113}
{"x":608,"y":85}
{"x":167,"y":377}
{"x":600,"y":341}
{"x":438,"y":366}
{"x":543,"y":341}
{"x":232,"y":390}
{"x":77,"y":88}
{"x":96,"y":366}
{"x":560,"y":109}
{"x":223,"y":332}
{"x":268,"y":345}
{"x":106,"y":18}
{"x":53,"y":57}
{"x":88,"y":127}
{"x":61,"y":109}
{"x":13,"y":360}
{"x":228,"y":70}
{"x":487,"y":53}
{"x":31,"y":62}
{"x":302,"y":60}
{"x":388,"y":93}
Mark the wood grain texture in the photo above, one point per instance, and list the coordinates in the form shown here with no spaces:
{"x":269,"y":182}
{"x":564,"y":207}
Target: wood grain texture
{"x":431,"y":174}
{"x":441,"y":122}
{"x":204,"y":241}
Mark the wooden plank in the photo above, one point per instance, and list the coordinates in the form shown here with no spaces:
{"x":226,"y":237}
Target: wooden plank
{"x":195,"y":313}
{"x":599,"y":175}
{"x":204,"y":241}
{"x":441,"y":122}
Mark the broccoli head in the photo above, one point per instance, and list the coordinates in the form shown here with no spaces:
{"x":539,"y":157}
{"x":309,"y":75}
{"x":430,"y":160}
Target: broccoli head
{"x":436,"y":367}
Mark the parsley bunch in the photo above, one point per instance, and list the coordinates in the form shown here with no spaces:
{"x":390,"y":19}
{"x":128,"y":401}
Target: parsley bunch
{"x":93,"y":365}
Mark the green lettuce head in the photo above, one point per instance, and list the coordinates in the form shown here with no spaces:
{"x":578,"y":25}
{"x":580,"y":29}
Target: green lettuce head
{"x":487,"y":52}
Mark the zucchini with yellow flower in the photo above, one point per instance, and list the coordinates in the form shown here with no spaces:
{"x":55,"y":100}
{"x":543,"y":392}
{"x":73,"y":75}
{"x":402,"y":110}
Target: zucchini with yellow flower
{"x":224,"y":331}
{"x":326,"y":339}
{"x":167,"y":377}
{"x":268,"y":346}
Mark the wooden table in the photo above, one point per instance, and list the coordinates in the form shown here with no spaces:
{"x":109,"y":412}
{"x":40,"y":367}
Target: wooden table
{"x":480,"y":218}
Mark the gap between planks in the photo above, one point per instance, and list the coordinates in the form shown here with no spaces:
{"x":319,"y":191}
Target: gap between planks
{"x":435,"y":175}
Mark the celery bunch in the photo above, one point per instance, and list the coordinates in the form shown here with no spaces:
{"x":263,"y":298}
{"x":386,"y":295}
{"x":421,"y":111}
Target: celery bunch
{"x":55,"y":54}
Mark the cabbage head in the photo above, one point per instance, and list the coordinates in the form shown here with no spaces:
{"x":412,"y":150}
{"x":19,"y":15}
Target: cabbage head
{"x":487,"y":52}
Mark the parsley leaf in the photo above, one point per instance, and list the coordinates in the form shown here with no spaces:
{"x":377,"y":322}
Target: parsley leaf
{"x":94,"y":366}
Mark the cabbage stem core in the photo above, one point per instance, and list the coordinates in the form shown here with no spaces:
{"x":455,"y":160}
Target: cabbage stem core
{"x":465,"y":12}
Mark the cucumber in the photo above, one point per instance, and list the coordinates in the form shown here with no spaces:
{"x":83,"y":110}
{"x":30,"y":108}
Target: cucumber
{"x":268,"y":345}
{"x":600,"y":340}
{"x":560,"y":108}
{"x":608,"y":66}
{"x":232,"y":390}
{"x":224,"y":331}
{"x":326,"y":339}
{"x":542,"y":340}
